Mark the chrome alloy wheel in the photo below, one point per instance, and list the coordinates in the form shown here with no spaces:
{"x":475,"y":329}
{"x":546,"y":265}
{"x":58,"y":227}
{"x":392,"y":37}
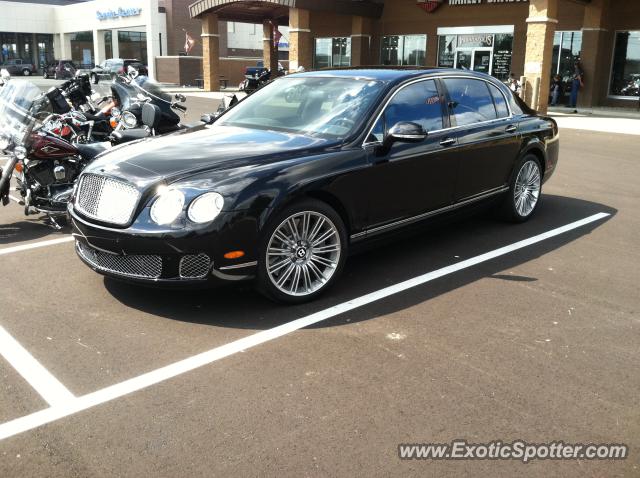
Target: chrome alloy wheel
{"x":303,"y":253}
{"x":527,"y":188}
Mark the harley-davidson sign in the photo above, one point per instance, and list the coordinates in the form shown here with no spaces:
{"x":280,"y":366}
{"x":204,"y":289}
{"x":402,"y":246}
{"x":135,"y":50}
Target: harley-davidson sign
{"x":430,"y":6}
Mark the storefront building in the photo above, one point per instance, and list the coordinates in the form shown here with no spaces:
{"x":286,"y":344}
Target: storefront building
{"x":90,"y":32}
{"x":534,"y":39}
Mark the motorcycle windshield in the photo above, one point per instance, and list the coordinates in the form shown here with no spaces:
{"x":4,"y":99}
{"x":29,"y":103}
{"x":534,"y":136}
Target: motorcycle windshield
{"x":22,"y":107}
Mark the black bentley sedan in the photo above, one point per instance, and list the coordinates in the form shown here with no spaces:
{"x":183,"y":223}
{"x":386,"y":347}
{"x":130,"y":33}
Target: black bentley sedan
{"x":282,"y":184}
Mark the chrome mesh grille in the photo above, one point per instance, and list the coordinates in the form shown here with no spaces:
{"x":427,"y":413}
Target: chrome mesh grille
{"x":194,"y":266}
{"x":137,"y":266}
{"x":106,"y":199}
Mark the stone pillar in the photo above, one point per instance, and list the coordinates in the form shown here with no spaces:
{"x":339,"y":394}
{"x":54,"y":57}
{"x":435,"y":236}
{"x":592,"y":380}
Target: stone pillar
{"x":210,"y":52}
{"x":541,"y":26}
{"x":361,"y":41}
{"x":300,"y":39}
{"x":595,"y":54}
{"x":62,"y":46}
{"x":34,"y":51}
{"x":98,"y":46}
{"x":269,"y":50}
{"x":115,"y":44}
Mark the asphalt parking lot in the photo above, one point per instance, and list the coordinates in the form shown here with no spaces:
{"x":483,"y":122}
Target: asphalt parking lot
{"x":538,"y":343}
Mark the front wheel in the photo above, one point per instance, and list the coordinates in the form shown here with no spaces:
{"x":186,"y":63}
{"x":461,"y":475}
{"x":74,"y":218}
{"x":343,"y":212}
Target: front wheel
{"x":45,"y":75}
{"x":302,"y":252}
{"x":26,"y":72}
{"x":524,"y":191}
{"x":94,"y":79}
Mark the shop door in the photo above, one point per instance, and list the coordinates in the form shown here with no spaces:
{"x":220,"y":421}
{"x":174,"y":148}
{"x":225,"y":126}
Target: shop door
{"x":476,"y":59}
{"x":482,"y":60}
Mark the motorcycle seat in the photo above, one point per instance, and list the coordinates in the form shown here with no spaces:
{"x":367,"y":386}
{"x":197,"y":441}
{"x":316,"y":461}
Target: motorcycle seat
{"x":91,"y":150}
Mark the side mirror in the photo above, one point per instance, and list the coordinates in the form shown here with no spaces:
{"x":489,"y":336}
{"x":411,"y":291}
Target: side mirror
{"x":180,"y":97}
{"x":405,"y":132}
{"x":209,"y":118}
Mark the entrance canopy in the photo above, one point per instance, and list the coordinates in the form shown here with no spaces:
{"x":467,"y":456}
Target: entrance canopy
{"x":253,"y":11}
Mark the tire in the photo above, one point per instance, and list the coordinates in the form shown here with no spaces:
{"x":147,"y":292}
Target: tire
{"x":525,"y":190}
{"x":55,"y":75}
{"x":26,"y":72}
{"x":290,"y":272}
{"x":45,"y":75}
{"x":94,"y":78}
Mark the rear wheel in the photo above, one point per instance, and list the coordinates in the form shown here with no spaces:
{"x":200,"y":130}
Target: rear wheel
{"x":524,"y":191}
{"x":302,"y":252}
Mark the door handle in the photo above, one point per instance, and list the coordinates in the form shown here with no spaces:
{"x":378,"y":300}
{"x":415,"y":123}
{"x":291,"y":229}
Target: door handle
{"x":447,"y":142}
{"x":511,"y":129}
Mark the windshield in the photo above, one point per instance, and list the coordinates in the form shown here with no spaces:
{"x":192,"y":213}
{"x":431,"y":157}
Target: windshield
{"x":314,"y":106}
{"x":22,"y":105}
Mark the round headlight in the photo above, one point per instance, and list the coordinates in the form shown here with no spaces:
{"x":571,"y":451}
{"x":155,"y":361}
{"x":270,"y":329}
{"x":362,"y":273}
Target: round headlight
{"x":115,"y":112}
{"x":129,"y":119}
{"x":205,"y":208}
{"x":167,"y":207}
{"x":20,"y":152}
{"x":5,"y":141}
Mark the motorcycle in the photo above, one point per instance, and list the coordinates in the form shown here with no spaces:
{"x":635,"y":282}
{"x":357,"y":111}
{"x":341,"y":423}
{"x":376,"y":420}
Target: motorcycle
{"x":5,"y":76}
{"x":44,"y":165}
{"x":252,"y":83}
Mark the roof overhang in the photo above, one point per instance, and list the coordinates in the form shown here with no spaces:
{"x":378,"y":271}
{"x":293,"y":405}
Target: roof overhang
{"x":255,"y":11}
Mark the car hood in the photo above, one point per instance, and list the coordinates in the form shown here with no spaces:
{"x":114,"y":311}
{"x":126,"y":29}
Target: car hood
{"x":202,"y":149}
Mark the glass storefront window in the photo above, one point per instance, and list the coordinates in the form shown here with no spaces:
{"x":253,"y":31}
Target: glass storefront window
{"x":484,"y":52}
{"x":82,"y":49}
{"x":133,"y":45}
{"x":332,"y":52}
{"x":404,"y":50}
{"x":566,"y":50}
{"x":625,"y":75}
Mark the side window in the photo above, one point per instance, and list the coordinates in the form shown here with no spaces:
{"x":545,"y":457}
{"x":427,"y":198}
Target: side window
{"x":471,"y":101}
{"x":417,"y":103}
{"x":500,"y":102}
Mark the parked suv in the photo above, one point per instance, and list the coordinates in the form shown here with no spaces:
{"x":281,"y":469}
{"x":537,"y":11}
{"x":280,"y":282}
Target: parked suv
{"x":19,"y":67}
{"x":108,"y":69}
{"x":60,"y":69}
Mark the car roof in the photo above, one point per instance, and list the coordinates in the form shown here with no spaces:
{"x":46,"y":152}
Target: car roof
{"x":388,"y":74}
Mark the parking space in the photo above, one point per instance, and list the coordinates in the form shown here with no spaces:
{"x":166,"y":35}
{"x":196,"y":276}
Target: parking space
{"x":537,"y":342}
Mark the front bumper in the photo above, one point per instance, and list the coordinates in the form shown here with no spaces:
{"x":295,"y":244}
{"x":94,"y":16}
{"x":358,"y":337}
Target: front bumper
{"x":173,"y":258}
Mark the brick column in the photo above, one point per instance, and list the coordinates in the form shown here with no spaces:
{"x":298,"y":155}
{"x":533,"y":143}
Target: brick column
{"x":360,"y":41}
{"x":300,"y":39}
{"x":595,"y":53}
{"x":210,"y":52}
{"x":541,"y":26}
{"x":269,"y":51}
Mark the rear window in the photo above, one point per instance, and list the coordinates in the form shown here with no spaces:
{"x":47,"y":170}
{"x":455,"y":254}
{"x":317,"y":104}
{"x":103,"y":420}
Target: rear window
{"x":470,"y":101}
{"x":501,"y":104}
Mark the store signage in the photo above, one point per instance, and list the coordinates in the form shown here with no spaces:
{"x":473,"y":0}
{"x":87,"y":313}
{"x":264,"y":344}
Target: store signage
{"x":482,"y":40}
{"x":478,"y":2}
{"x":430,"y":6}
{"x":120,"y":12}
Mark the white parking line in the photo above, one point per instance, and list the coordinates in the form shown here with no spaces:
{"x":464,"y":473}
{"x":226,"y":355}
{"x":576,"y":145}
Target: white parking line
{"x":35,"y":245}
{"x":32,"y":371}
{"x":112,"y":392}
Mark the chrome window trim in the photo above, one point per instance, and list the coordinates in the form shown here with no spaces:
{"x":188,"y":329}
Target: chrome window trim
{"x":450,"y":128}
{"x":425,"y":215}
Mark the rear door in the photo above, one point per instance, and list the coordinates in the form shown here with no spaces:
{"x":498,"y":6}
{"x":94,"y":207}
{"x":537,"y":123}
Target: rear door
{"x":488,"y":140}
{"x":412,"y":178}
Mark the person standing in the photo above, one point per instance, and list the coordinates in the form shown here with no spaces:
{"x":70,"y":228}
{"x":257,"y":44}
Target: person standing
{"x":576,"y":84}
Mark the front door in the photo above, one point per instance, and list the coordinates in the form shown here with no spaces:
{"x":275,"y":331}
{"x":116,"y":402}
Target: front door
{"x":482,"y":60}
{"x":412,"y":178}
